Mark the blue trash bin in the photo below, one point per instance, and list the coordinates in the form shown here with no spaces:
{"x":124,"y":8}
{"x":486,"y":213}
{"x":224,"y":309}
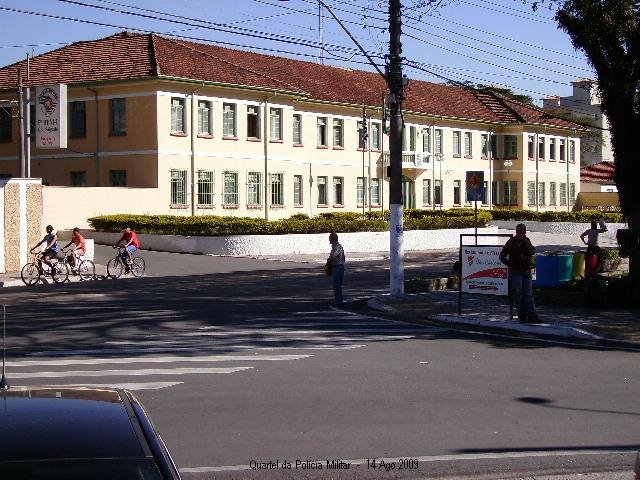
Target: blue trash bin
{"x":551,"y":270}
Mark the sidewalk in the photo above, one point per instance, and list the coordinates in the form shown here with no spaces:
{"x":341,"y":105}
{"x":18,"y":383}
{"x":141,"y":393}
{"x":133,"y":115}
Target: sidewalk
{"x":480,"y":312}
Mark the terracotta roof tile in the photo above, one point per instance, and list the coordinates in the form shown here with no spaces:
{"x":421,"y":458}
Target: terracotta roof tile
{"x":131,"y":55}
{"x":603,"y":172}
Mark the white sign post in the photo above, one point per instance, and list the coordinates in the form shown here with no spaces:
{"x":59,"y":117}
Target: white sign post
{"x":483,"y":272}
{"x":51,"y":116}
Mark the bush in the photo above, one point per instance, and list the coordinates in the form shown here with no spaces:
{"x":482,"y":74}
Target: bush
{"x":299,"y":223}
{"x":585,"y":216}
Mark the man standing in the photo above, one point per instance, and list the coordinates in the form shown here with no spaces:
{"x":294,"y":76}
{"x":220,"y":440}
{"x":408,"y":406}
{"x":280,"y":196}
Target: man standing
{"x":336,"y":260}
{"x":518,"y":254}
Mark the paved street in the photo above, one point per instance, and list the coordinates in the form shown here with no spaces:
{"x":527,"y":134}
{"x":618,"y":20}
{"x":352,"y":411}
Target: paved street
{"x":247,"y":365}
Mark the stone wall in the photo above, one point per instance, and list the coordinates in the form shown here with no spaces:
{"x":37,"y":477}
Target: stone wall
{"x":21,"y":210}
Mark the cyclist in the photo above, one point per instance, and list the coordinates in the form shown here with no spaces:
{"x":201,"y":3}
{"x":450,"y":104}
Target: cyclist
{"x":51,"y":246}
{"x":130,"y":242}
{"x":79,"y":248}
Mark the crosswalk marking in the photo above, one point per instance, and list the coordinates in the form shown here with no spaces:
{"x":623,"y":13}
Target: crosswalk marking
{"x":126,"y":386}
{"x":167,"y":359}
{"x":117,"y":373}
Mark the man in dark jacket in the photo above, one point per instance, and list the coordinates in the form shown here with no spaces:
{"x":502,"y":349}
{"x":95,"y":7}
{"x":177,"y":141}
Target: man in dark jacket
{"x":518,"y":254}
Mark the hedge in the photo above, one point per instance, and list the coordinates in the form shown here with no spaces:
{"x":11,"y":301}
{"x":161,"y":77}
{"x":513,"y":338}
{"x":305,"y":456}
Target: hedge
{"x":584,"y":216}
{"x":299,"y":223}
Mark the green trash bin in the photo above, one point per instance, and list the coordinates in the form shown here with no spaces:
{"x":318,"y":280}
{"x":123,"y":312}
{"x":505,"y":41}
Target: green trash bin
{"x":578,"y":265}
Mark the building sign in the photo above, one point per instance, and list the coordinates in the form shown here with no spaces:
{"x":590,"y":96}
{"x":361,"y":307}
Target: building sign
{"x":51,"y":116}
{"x":475,"y":186}
{"x":483,"y":272}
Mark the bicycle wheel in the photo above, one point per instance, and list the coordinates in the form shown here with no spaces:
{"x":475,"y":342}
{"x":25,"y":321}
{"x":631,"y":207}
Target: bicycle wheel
{"x":137,"y":267}
{"x":86,"y":269}
{"x":115,"y":267}
{"x":60,"y":272}
{"x":30,"y":274}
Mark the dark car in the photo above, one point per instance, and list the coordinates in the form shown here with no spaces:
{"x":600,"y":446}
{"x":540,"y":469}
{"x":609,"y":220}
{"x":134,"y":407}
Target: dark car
{"x":79,"y":433}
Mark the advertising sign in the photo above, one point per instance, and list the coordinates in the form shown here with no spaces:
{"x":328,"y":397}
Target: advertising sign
{"x":51,"y":116}
{"x":475,"y":186}
{"x":483,"y":272}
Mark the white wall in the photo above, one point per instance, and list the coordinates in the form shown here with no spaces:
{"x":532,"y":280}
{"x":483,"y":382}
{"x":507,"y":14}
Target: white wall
{"x":69,"y":207}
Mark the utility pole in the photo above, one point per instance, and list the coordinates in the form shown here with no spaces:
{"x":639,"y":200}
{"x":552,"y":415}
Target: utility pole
{"x":395,"y":82}
{"x":21,"y":152}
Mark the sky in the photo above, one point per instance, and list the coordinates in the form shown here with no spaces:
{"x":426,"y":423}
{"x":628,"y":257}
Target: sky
{"x":492,"y":42}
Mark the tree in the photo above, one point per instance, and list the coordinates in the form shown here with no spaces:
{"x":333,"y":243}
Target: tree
{"x":608,"y":32}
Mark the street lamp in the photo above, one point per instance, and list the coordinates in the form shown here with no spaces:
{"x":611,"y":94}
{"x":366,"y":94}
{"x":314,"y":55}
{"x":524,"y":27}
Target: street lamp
{"x":508,"y":164}
{"x":439,"y":156}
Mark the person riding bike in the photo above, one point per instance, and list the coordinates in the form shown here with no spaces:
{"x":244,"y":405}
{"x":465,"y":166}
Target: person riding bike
{"x":130,"y":242}
{"x":79,"y":248}
{"x":51,"y":246}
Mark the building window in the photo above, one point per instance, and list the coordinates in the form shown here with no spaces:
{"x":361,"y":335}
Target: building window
{"x":563,"y":194}
{"x":541,"y":148}
{"x":485,"y":193}
{"x":494,"y":146}
{"x":322,"y":191}
{"x":456,"y":192}
{"x":572,"y":151}
{"x":178,"y":187}
{"x":338,"y":132}
{"x":495,"y":193}
{"x":205,"y":187}
{"x":510,"y":191}
{"x":375,"y":136}
{"x":542,"y":199}
{"x":5,"y":124}
{"x":297,"y":129}
{"x":229,"y":120}
{"x":78,"y":119}
{"x":338,"y":198}
{"x":563,"y":153}
{"x":230,"y":186}
{"x":277,"y":188}
{"x":204,"y":118}
{"x":456,"y":144}
{"x":426,"y":140}
{"x":118,"y":178}
{"x":32,"y":122}
{"x":552,"y":193}
{"x":323,"y":141}
{"x":253,"y":121}
{"x":531,"y":193}
{"x":177,"y":115}
{"x":572,"y":193}
{"x":510,"y":146}
{"x":426,"y":192}
{"x":375,"y":191}
{"x":362,"y":135}
{"x":438,"y":140}
{"x":531,"y":147}
{"x":552,"y":149}
{"x":413,"y":132}
{"x":297,"y":190}
{"x":467,"y":144}
{"x":484,"y":145}
{"x":79,"y":179}
{"x":437,"y":192}
{"x":117,"y":116}
{"x":275,"y":124}
{"x":360,"y":191}
{"x":254,"y":188}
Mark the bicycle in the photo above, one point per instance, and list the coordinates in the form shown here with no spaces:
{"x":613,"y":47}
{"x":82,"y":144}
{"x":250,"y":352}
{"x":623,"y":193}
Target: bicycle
{"x":32,"y":271}
{"x":118,"y":264}
{"x":85,"y":268}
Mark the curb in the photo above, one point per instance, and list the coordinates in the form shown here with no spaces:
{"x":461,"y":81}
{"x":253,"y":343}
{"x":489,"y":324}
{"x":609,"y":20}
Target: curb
{"x":563,"y":331}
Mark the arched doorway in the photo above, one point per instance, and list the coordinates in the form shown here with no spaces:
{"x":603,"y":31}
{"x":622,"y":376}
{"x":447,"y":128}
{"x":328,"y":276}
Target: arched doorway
{"x":408,"y":193}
